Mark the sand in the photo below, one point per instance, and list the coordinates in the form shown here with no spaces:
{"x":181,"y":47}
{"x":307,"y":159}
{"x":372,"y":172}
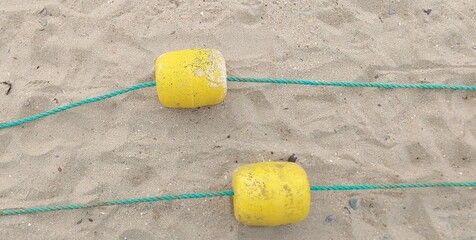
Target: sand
{"x":57,"y":52}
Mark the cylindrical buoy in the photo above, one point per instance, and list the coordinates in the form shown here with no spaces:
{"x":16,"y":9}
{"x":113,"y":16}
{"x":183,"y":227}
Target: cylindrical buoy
{"x":271,"y":193}
{"x":191,"y":78}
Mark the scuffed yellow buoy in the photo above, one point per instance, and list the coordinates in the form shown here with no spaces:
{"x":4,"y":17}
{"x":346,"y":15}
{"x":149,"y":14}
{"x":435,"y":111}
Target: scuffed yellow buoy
{"x":271,"y":193}
{"x":191,"y":78}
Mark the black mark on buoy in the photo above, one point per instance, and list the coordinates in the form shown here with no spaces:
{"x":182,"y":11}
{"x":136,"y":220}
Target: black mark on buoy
{"x":292,"y":158}
{"x":9,"y":89}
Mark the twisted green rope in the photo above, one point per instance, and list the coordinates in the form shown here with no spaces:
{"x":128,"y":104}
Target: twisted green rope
{"x":19,"y":211}
{"x":230,"y":192}
{"x":113,"y":203}
{"x":75,"y":104}
{"x":354,"y":84}
{"x":236,"y":79}
{"x":390,"y":186}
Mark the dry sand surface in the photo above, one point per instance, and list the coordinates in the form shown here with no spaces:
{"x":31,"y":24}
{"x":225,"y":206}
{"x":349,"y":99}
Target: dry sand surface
{"x":57,"y":52}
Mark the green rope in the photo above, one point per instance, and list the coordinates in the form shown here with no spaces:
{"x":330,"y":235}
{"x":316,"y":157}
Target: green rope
{"x":236,"y":79}
{"x":75,"y":104}
{"x":390,"y":186}
{"x":18,"y":211}
{"x":353,"y":84}
{"x":230,"y":192}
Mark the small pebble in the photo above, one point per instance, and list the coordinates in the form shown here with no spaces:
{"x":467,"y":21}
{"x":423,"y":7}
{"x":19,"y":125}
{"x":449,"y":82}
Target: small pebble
{"x":43,"y":12}
{"x":292,"y":158}
{"x":474,"y":47}
{"x":427,"y":11}
{"x":391,"y":11}
{"x":329,"y":219}
{"x":9,"y":89}
{"x":354,"y":203}
{"x":43,"y":22}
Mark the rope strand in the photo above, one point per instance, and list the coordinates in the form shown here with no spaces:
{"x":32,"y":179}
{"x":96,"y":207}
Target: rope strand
{"x":18,"y":211}
{"x":391,"y":186}
{"x":354,"y":84}
{"x":237,"y":79}
{"x":75,"y":104}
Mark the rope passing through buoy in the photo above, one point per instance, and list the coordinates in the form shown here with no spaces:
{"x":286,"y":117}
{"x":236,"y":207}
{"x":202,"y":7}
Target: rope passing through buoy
{"x":264,"y":194}
{"x":197,"y":77}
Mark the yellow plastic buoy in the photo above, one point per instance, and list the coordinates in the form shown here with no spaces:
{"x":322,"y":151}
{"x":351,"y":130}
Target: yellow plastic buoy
{"x":191,"y":78}
{"x":271,"y":193}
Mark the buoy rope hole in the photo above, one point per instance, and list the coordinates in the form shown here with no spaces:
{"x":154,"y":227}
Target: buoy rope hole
{"x":265,"y":193}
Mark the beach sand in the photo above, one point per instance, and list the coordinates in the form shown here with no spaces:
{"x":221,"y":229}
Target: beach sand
{"x":57,"y":52}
